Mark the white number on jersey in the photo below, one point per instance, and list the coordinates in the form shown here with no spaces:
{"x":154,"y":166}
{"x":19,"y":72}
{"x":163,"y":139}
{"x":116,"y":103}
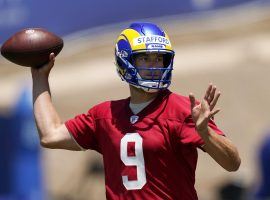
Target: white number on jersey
{"x":137,"y":160}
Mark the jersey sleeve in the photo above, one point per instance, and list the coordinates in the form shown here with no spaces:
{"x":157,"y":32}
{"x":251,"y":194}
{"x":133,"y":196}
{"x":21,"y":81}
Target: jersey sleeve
{"x":189,"y":135}
{"x":82,"y":129}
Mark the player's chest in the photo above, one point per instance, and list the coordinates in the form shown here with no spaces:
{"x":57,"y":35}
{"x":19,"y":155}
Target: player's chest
{"x":152,"y":136}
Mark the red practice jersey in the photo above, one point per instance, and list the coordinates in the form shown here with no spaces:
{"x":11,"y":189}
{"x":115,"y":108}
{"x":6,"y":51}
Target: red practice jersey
{"x":151,"y":155}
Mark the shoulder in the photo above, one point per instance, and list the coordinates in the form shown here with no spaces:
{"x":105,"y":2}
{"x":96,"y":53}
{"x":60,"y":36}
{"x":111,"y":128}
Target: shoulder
{"x":177,"y":106}
{"x":179,"y":99}
{"x":106,"y":108}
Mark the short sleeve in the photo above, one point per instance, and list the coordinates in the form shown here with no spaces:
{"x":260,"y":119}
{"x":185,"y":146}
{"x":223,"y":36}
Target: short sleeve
{"x":82,"y":129}
{"x":189,"y":135}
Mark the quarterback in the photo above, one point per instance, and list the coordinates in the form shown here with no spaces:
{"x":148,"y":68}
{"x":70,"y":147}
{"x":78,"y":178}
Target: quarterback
{"x":149,"y":140}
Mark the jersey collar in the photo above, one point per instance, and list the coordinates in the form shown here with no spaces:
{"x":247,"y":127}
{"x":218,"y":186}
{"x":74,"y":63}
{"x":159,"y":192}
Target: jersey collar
{"x":149,"y":109}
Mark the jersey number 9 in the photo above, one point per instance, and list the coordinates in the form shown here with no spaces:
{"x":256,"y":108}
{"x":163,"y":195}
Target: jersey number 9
{"x":136,"y":160}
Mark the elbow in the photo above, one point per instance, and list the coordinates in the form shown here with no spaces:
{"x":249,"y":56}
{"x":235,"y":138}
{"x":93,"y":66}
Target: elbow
{"x":47,"y":139}
{"x":46,"y":143}
{"x":234,"y":166}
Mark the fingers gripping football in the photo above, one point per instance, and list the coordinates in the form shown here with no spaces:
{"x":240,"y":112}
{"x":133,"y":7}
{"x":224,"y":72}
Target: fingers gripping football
{"x":45,"y":69}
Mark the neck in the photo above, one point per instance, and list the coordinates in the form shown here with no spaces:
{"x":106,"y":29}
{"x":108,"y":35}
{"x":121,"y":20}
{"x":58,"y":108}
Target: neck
{"x":138,"y":95}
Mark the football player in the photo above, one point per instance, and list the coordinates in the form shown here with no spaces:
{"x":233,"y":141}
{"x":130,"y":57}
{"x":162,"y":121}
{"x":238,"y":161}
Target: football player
{"x":149,"y":140}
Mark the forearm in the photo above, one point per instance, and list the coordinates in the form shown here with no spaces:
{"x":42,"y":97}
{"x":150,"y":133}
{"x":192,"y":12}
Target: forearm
{"x":221,"y":149}
{"x":47,"y":119}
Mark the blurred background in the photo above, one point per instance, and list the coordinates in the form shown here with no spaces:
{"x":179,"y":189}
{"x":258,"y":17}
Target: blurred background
{"x":226,"y":42}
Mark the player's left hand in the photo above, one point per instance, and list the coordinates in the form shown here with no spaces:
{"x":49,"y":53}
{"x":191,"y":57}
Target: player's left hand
{"x":204,"y":111}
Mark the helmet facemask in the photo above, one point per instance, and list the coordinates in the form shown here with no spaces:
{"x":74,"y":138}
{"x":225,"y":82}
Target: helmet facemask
{"x":152,"y":77}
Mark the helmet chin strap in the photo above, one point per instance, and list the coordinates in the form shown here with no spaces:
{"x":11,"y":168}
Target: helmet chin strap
{"x":148,"y":90}
{"x":149,"y":85}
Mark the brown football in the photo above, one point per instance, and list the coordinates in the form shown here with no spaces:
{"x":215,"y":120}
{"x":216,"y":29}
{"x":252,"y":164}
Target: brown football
{"x":31,"y":47}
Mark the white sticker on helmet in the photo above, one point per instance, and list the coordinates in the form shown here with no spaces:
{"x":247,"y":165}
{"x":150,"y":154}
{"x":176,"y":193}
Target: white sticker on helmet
{"x":155,"y":46}
{"x":153,"y":39}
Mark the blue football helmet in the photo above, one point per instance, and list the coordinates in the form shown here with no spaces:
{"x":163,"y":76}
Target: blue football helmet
{"x":144,"y":38}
